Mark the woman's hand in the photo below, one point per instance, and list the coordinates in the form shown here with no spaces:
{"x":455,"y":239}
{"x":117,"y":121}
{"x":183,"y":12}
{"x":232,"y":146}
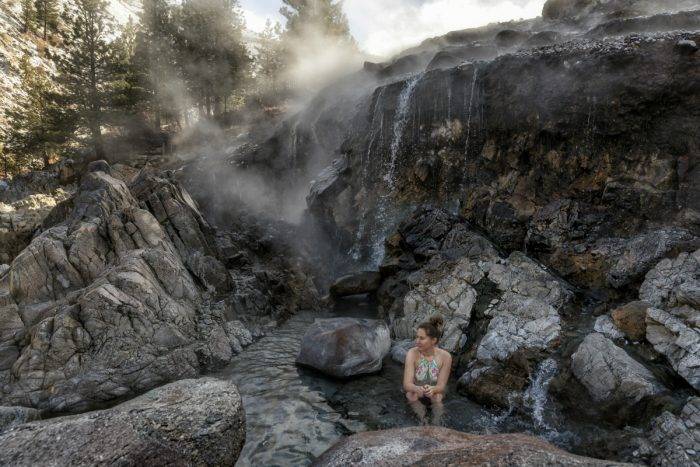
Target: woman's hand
{"x":433,"y":390}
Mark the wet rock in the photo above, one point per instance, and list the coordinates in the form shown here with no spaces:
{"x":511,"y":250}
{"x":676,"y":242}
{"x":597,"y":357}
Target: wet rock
{"x":344,"y":347}
{"x":673,"y":282}
{"x":676,"y":334}
{"x":510,"y":38}
{"x":675,"y":440}
{"x":631,"y":320}
{"x":642,"y":252}
{"x":358,"y":283}
{"x":543,"y":38}
{"x":328,"y":184}
{"x":610,"y":375}
{"x":526,"y":315}
{"x":499,"y":384}
{"x":434,"y":446}
{"x":687,"y":46}
{"x":563,"y":9}
{"x":190,"y":422}
{"x":399,"y":349}
{"x":605,"y":325}
{"x":11,"y":416}
{"x":450,"y":295}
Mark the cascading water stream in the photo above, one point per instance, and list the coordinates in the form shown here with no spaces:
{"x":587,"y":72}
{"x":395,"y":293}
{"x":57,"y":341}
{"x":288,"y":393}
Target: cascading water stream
{"x":400,"y":120}
{"x":469,"y":110}
{"x":537,"y":394}
{"x":377,"y":122}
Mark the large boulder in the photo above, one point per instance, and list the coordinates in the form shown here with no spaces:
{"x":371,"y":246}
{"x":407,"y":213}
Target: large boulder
{"x":610,"y":375}
{"x":190,"y":422}
{"x":449,"y":295}
{"x":434,"y":446}
{"x":344,"y":347}
{"x":358,"y":283}
{"x":676,"y":335}
{"x":673,"y":282}
{"x":111,"y":302}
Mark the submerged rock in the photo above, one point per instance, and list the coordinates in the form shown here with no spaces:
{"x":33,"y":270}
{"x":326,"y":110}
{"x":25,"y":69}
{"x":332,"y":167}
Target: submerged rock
{"x":190,"y":422}
{"x":399,"y":349}
{"x":610,"y":374}
{"x":358,"y":283}
{"x":433,"y":446}
{"x":344,"y":347}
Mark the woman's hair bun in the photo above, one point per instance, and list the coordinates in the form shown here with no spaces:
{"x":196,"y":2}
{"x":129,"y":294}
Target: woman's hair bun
{"x":438,"y":322}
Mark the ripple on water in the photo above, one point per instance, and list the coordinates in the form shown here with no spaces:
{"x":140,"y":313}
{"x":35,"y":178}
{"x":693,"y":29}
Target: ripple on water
{"x":287,"y":423}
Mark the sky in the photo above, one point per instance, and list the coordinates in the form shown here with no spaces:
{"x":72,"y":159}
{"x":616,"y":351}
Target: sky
{"x":382,"y":27}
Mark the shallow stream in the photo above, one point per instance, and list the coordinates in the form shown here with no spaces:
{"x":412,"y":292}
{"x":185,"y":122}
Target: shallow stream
{"x":293,"y":414}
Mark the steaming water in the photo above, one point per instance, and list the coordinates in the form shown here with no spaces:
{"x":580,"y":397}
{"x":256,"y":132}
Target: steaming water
{"x":402,"y":107}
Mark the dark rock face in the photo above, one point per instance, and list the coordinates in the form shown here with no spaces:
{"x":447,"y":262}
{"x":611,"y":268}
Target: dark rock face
{"x":542,"y":171}
{"x":190,"y":422}
{"x":344,"y":347}
{"x":359,"y":283}
{"x":432,"y":446}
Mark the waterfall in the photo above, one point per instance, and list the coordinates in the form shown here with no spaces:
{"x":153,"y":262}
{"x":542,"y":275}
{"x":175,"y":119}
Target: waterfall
{"x":400,"y":119}
{"x":469,"y":109}
{"x":537,"y":394}
{"x":377,"y":121}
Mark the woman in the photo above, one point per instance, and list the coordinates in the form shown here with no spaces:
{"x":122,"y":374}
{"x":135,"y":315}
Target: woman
{"x":426,"y":370}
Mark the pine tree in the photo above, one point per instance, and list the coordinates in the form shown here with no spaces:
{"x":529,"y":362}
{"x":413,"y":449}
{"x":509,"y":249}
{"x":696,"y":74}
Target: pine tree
{"x":38,"y":125}
{"x":155,"y":59}
{"x":86,"y":67}
{"x":47,"y":15}
{"x":325,"y":17}
{"x":270,"y":57}
{"x":28,"y":16}
{"x":127,"y":92}
{"x":214,"y":60}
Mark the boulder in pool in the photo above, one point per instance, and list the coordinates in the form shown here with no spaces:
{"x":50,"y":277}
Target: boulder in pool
{"x":437,"y":446}
{"x":358,"y":283}
{"x":344,"y":347}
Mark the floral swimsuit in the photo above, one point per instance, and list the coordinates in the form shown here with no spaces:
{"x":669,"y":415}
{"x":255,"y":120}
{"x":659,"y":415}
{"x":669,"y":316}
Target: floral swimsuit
{"x":427,"y":371}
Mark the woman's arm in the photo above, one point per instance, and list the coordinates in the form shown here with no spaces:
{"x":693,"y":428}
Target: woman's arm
{"x":408,"y":371}
{"x":444,"y":375}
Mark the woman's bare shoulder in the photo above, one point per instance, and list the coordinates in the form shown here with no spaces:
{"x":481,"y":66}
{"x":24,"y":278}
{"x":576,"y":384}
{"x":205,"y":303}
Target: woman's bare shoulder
{"x":445,"y":355}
